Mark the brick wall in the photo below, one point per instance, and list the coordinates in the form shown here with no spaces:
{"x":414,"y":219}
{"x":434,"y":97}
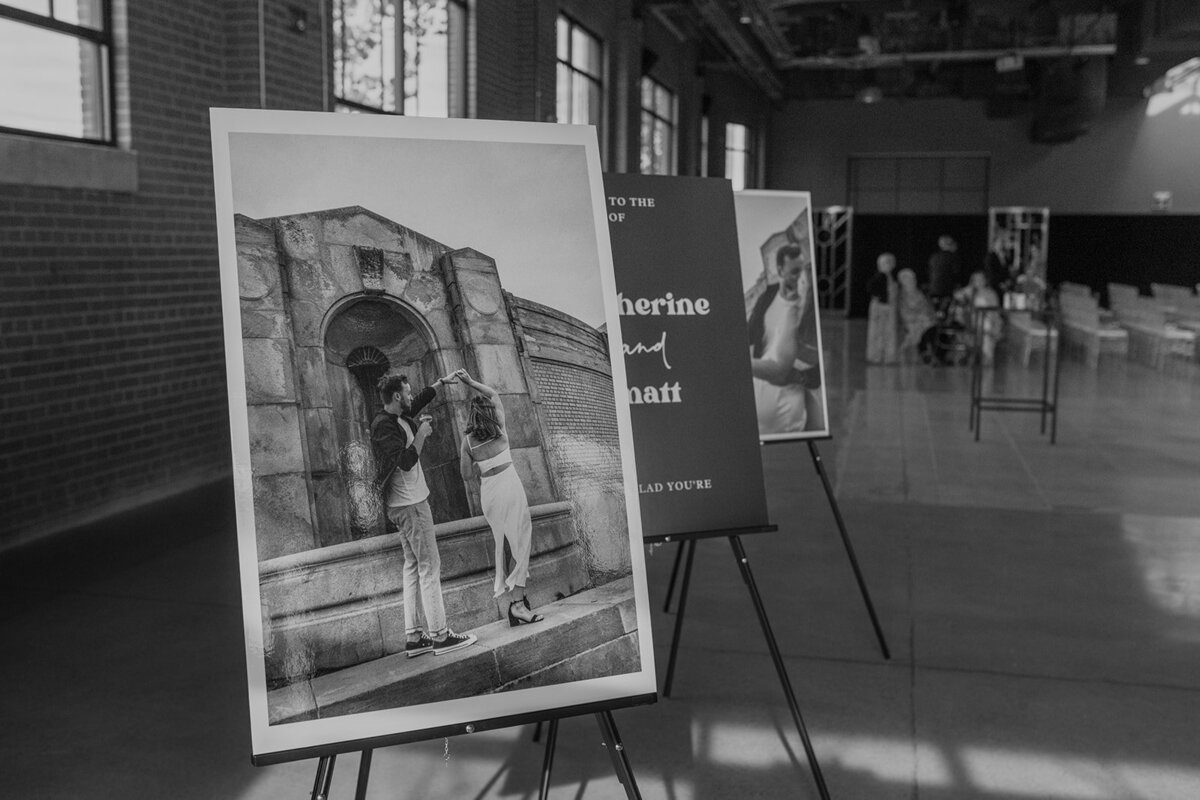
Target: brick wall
{"x":112,"y":377}
{"x":572,"y":377}
{"x":577,"y":405}
{"x":503,"y":38}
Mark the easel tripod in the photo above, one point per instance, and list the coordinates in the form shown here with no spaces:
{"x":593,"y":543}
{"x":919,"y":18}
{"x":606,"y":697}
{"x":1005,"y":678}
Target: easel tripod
{"x":608,"y":730}
{"x":684,"y":557}
{"x":841,"y":524}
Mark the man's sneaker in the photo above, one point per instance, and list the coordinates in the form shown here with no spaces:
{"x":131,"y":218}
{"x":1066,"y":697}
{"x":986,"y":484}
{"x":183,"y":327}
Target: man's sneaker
{"x":422,"y":645}
{"x":453,"y":641}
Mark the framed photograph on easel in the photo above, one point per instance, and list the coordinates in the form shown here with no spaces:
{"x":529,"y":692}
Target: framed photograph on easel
{"x":779,"y":277}
{"x":437,"y":508}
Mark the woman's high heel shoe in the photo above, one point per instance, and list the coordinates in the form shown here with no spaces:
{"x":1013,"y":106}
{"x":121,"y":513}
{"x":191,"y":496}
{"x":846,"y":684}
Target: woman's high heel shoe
{"x":514,"y":620}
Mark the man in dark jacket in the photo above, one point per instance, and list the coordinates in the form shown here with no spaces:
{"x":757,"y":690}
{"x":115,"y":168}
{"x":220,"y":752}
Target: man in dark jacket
{"x":397,"y":437}
{"x":996,"y":267}
{"x":944,"y":272}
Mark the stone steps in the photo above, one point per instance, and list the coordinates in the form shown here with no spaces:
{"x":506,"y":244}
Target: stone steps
{"x":588,"y":635}
{"x":343,"y":604}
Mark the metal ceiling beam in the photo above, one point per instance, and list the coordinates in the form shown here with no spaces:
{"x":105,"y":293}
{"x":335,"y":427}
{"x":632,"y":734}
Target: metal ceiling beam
{"x":884,"y":60}
{"x":766,"y":27}
{"x":742,"y":48}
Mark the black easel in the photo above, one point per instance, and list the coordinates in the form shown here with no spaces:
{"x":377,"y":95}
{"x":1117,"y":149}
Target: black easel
{"x":324,"y":778}
{"x":608,"y":730}
{"x":616,"y":751}
{"x":841,"y":524}
{"x":688,"y":544}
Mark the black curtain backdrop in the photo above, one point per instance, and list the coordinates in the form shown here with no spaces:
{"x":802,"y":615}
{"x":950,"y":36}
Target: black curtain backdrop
{"x":1092,"y":249}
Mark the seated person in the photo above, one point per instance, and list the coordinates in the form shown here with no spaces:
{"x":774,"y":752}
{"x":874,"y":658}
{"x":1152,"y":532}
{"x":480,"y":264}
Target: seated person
{"x":916,"y":314}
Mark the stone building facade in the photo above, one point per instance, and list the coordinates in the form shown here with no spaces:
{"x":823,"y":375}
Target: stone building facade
{"x":330,"y":301}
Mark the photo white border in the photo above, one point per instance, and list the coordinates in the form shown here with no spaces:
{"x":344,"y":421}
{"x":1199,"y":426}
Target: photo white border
{"x":275,"y":739}
{"x":794,"y":197}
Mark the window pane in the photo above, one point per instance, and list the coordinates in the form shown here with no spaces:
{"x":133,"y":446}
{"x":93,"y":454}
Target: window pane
{"x":563,"y":87}
{"x":647,"y":93}
{"x":32,"y":6}
{"x":585,"y":100}
{"x":656,"y":146}
{"x":735,"y":169}
{"x":662,"y":102}
{"x":662,"y":149}
{"x":735,"y":136}
{"x":646,"y":161}
{"x":77,"y":12}
{"x":594,"y":101}
{"x":65,"y":95}
{"x":579,"y":99}
{"x":365,"y":61}
{"x":564,"y":39}
{"x":426,"y":58}
{"x":456,"y":59}
{"x":668,"y":150}
{"x":585,"y":52}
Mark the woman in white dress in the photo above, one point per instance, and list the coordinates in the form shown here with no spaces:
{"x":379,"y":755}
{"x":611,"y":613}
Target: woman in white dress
{"x":501,"y":494}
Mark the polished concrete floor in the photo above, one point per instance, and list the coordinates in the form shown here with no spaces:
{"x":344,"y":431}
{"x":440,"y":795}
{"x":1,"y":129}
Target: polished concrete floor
{"x":1042,"y":603}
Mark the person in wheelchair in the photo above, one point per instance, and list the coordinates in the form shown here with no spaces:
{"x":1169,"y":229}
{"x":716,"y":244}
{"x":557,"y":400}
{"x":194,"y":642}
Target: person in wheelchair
{"x":980,"y":307}
{"x":949,"y":340}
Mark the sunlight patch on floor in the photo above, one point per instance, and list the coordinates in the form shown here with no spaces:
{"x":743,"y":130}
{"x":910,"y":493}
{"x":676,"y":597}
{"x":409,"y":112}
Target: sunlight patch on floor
{"x":1167,"y":555}
{"x":1028,"y":774}
{"x":750,"y":746}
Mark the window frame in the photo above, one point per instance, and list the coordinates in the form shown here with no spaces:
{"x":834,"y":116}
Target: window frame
{"x":102,"y":38}
{"x":746,"y":152}
{"x":598,"y":80}
{"x":457,"y":100}
{"x":671,"y":125}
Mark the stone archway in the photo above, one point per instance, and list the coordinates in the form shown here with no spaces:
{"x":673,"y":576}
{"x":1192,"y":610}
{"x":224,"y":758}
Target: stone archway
{"x":366,"y":338}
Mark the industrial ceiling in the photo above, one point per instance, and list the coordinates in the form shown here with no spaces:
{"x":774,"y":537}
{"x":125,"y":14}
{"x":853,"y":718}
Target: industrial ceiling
{"x":1007,"y":51}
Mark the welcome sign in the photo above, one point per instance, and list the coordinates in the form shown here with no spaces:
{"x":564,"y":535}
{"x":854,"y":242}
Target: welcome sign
{"x":675,"y":258}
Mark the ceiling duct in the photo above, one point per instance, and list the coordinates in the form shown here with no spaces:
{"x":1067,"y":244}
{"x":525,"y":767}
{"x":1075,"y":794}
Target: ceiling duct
{"x":948,"y":56}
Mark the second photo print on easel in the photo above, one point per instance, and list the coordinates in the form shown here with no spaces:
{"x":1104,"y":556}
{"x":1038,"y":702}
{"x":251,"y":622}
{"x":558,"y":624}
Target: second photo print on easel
{"x":780,"y":281}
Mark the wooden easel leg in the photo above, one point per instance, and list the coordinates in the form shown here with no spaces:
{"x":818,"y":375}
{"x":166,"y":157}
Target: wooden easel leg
{"x":674,"y":575}
{"x":841,"y":524}
{"x":616,"y":751}
{"x":548,"y":761}
{"x":739,"y":554}
{"x":324,"y":778}
{"x":683,"y":594}
{"x":364,"y":775}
